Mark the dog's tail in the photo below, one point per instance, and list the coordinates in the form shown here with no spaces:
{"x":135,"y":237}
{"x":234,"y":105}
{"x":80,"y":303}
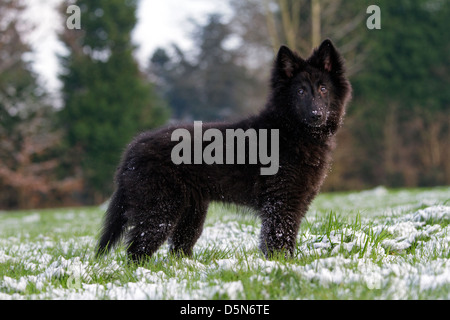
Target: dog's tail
{"x":114,"y":223}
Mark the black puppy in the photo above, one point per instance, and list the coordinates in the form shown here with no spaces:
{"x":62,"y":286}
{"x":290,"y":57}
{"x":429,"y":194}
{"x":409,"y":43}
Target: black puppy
{"x":159,"y":199}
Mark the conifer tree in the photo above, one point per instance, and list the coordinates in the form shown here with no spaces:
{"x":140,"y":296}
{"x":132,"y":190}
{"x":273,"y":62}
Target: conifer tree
{"x":106,"y":98}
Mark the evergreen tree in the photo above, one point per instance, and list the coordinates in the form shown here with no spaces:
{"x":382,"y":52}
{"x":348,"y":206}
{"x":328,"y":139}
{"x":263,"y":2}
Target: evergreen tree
{"x":107,"y":100}
{"x":401,"y":101}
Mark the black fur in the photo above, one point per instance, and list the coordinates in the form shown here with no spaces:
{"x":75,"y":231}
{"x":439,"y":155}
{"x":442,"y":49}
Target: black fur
{"x":156,"y":200}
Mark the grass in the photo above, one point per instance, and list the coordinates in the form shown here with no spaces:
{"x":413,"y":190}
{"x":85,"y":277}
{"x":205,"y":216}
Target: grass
{"x":375,"y":244}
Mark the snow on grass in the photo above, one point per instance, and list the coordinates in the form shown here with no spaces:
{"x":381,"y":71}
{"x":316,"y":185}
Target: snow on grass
{"x":375,"y":244}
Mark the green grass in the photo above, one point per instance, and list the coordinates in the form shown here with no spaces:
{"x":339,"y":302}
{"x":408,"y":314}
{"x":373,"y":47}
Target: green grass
{"x":375,"y":244}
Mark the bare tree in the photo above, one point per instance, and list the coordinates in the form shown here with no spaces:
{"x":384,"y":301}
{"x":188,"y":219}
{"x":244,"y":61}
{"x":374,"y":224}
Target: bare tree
{"x":27,"y":167}
{"x":28,"y":161}
{"x":302,"y":25}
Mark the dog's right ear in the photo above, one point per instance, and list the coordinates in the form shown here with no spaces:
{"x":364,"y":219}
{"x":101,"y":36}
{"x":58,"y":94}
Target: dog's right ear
{"x":287,"y":62}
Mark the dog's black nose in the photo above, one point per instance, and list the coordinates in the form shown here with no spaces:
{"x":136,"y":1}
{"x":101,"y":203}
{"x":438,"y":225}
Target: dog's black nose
{"x":316,"y":115}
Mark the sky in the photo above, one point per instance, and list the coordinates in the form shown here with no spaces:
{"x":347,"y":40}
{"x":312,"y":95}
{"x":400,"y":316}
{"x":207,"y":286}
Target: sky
{"x":160,"y":23}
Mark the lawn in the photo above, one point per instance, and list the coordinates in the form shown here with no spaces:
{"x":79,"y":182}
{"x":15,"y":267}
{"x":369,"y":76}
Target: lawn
{"x":374,"y":244}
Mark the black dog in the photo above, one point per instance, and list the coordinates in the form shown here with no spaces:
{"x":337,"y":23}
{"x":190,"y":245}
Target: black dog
{"x":158,"y":200}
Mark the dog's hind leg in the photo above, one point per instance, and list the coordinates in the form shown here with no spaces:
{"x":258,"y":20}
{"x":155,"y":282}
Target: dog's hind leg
{"x":188,"y":229}
{"x":150,"y":229}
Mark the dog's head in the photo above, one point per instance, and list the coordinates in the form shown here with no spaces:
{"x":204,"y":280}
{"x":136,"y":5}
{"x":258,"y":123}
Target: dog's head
{"x":315,"y":88}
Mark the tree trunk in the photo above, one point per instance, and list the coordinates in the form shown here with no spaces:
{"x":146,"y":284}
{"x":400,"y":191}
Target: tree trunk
{"x":315,"y":23}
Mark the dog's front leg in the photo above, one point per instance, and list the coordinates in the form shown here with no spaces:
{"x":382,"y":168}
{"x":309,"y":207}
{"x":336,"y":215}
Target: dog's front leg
{"x":279,"y":232}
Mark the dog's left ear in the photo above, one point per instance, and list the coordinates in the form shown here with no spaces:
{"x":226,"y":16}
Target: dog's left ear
{"x":327,"y":58}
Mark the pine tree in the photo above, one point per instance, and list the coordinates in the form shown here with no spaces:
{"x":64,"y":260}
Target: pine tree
{"x":106,"y":98}
{"x":401,"y":98}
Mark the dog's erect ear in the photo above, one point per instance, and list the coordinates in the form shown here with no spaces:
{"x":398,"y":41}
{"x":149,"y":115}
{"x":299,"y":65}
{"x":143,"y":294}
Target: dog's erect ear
{"x":327,"y":58}
{"x":287,"y":62}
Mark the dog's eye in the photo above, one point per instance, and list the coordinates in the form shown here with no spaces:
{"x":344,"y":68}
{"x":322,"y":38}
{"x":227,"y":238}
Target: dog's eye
{"x":301,"y":92}
{"x":323,"y":89}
